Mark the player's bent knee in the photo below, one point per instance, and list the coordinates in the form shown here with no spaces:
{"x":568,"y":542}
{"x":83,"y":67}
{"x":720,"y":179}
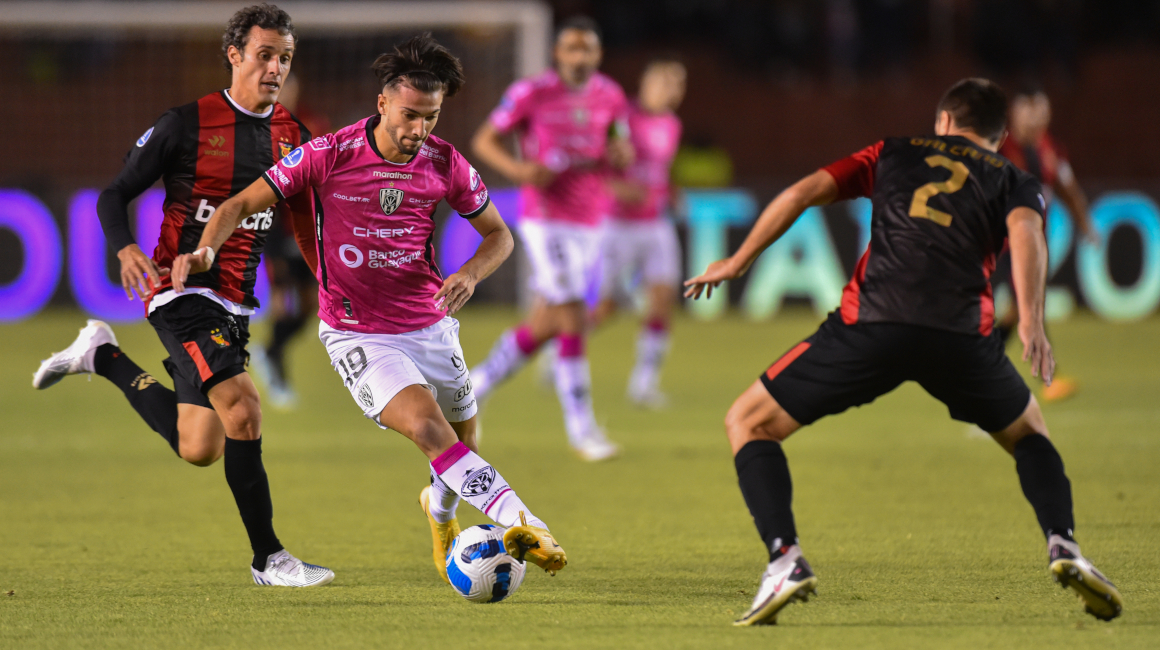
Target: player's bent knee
{"x":201,"y":455}
{"x":1031,"y":422}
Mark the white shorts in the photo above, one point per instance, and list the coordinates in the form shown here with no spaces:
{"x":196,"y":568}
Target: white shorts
{"x":563,"y":257}
{"x":648,"y":250}
{"x":375,"y":367}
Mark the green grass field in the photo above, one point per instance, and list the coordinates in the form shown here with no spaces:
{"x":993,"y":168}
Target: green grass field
{"x":918,"y":532}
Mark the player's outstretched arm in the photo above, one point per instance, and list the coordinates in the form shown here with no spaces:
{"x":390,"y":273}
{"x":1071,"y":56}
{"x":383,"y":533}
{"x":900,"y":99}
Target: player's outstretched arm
{"x":1029,"y":274}
{"x":255,"y":198}
{"x":819,"y":188}
{"x":496,"y":246}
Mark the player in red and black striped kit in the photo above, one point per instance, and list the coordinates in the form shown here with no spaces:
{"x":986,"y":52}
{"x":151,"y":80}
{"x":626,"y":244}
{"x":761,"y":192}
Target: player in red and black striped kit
{"x":919,"y":308}
{"x":204,"y":152}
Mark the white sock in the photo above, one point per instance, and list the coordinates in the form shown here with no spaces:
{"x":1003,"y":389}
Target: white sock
{"x":652,"y":346}
{"x":574,"y":389}
{"x":481,"y":486}
{"x":443,"y":501}
{"x":502,"y":362}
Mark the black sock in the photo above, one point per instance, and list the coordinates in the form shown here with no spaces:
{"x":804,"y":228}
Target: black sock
{"x":763,"y":474}
{"x":247,"y":478}
{"x":284,"y":329}
{"x":1045,"y":485}
{"x":156,"y":404}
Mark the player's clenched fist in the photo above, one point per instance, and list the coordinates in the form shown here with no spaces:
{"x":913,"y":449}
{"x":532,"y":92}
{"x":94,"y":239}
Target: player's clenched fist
{"x":199,"y":261}
{"x":456,"y":290}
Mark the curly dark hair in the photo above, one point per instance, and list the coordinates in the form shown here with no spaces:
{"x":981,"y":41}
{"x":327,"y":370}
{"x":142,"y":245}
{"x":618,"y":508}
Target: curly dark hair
{"x":423,"y":64}
{"x":265,"y":16}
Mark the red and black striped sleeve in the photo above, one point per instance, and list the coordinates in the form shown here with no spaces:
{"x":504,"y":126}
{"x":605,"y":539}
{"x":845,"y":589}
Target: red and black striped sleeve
{"x":855,"y":173}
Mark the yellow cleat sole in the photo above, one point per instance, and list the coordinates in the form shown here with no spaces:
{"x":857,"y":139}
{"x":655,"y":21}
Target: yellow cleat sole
{"x":1100,"y":598}
{"x":767,"y":613}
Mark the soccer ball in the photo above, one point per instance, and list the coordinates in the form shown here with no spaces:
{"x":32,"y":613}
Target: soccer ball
{"x":479,"y":566}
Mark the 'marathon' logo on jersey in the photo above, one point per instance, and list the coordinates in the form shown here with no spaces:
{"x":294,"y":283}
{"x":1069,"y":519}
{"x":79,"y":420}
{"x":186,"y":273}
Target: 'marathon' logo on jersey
{"x":396,"y":175}
{"x":390,"y":199}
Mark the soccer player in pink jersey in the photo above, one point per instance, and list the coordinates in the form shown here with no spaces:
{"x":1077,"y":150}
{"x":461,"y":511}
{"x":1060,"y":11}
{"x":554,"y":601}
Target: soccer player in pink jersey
{"x":565,"y":120}
{"x":639,"y":241}
{"x":385,"y":308}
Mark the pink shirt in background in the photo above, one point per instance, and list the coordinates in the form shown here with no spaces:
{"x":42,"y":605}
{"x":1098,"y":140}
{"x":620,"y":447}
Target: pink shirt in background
{"x":567,"y":131}
{"x":375,"y":227}
{"x":655,"y":138}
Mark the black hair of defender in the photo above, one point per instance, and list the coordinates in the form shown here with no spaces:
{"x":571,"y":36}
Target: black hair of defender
{"x":581,"y":23}
{"x":264,"y":16}
{"x":423,"y":64}
{"x":977,"y":104}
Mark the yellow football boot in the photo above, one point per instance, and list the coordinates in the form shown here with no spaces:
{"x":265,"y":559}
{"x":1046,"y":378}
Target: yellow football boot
{"x":535,"y":544}
{"x":441,"y":534}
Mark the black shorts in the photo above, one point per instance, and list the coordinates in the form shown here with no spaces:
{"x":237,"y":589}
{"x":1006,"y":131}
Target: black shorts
{"x":849,"y":365}
{"x":206,"y":345}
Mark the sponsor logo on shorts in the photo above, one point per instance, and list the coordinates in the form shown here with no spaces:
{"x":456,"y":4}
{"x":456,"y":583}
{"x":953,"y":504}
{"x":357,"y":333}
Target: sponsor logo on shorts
{"x":463,"y":391}
{"x":461,"y":409}
{"x":478,"y":481}
{"x":293,"y":158}
{"x":217,"y":337}
{"x":396,"y":175}
{"x":366,"y":397}
{"x":145,"y":137}
{"x":457,"y":361}
{"x":390,"y":198}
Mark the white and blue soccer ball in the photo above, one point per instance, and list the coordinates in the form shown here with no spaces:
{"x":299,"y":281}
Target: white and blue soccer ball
{"x":479,"y":566}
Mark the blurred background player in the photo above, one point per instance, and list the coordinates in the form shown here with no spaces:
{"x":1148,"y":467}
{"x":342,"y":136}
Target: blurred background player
{"x":918,"y":308}
{"x":638,"y":241}
{"x":293,"y":289}
{"x":204,"y":152}
{"x":570,"y":124}
{"x":398,"y":351}
{"x":1031,"y":147}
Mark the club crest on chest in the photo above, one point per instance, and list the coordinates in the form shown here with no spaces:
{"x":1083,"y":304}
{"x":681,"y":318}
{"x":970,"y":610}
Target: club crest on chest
{"x":390,"y":199}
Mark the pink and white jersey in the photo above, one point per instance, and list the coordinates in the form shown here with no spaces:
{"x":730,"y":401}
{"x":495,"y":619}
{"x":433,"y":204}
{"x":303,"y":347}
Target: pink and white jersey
{"x":375,"y":227}
{"x":567,"y":131}
{"x":655,"y":137}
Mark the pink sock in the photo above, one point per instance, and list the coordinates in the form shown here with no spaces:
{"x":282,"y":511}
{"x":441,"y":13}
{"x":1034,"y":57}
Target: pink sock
{"x":657,"y":325}
{"x":570,"y":345}
{"x":526,"y":342}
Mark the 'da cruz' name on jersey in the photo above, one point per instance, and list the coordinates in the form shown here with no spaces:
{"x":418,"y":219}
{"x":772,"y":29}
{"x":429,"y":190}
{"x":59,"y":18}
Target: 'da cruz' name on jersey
{"x":205,"y":152}
{"x":940,"y":207}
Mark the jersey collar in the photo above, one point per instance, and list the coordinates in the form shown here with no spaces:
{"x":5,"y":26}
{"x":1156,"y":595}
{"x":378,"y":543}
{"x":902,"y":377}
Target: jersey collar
{"x":267,"y":113}
{"x":372,"y":122}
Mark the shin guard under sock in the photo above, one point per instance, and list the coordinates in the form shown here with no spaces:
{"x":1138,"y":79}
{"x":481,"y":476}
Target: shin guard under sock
{"x":763,"y":473}
{"x":1045,"y":485}
{"x":155,"y":403}
{"x":247,"y":479}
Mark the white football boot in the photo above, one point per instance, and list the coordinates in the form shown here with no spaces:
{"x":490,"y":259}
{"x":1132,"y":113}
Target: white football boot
{"x":596,"y":447}
{"x":285,"y":570}
{"x":786,"y":579}
{"x":1071,"y":569}
{"x":76,"y":358}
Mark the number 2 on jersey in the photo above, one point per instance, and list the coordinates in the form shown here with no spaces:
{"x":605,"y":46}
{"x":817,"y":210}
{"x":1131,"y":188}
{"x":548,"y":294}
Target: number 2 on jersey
{"x":918,"y":206}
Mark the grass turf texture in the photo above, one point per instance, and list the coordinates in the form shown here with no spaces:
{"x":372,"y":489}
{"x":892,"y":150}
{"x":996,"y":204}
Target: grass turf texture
{"x":918,"y":532}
